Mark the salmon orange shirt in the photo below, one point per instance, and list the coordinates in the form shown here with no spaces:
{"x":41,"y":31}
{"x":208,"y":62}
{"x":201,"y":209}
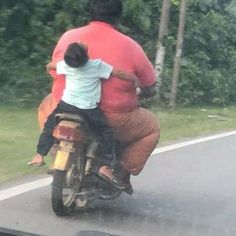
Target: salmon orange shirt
{"x":123,"y":53}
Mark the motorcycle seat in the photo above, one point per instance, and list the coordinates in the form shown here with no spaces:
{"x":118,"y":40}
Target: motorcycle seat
{"x":70,"y":117}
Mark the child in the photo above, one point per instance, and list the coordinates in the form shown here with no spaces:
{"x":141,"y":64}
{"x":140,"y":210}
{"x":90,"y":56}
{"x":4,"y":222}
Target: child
{"x":81,"y":96}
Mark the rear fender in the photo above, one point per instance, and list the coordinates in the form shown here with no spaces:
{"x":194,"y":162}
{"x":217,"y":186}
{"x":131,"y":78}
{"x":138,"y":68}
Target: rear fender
{"x":69,"y":131}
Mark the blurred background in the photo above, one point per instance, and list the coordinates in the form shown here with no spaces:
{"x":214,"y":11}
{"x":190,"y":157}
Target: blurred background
{"x":29,"y":30}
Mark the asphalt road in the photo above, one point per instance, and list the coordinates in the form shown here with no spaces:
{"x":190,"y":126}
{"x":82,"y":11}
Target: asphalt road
{"x":189,"y":191}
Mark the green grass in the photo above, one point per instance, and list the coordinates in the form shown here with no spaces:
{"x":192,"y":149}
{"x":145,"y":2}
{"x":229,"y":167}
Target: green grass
{"x":184,"y":123}
{"x":19,"y":133}
{"x":18,"y":136}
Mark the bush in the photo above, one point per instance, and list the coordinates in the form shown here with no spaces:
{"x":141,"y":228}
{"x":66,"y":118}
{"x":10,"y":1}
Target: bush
{"x":209,"y":53}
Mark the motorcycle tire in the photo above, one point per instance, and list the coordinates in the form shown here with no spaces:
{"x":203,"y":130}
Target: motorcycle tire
{"x":57,"y":194}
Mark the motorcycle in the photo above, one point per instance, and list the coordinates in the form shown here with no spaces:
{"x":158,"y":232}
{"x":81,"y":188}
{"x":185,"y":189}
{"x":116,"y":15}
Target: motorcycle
{"x":75,"y":182}
{"x":76,"y":155}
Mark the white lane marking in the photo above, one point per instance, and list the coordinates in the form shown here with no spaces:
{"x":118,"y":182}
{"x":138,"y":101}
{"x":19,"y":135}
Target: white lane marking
{"x":23,"y":188}
{"x":14,"y":191}
{"x":192,"y":142}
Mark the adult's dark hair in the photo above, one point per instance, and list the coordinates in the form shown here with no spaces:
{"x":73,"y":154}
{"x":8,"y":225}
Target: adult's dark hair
{"x":108,"y":11}
{"x":76,"y":55}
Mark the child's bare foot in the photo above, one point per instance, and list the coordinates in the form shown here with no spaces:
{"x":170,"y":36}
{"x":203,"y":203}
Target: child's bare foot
{"x":38,"y":160}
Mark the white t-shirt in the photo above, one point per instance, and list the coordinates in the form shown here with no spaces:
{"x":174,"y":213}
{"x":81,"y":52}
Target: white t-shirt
{"x":83,"y":84}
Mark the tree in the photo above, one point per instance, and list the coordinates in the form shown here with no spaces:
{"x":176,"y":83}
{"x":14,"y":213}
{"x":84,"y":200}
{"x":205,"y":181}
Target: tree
{"x":178,"y":54}
{"x":208,"y":67}
{"x":163,"y":32}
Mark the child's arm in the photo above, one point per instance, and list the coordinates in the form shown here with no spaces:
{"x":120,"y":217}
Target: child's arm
{"x":51,"y":66}
{"x":125,"y":76}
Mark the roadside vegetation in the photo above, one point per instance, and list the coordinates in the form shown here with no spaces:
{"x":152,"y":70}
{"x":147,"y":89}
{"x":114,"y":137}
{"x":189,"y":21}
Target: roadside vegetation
{"x":19,"y":132}
{"x":18,"y":135}
{"x":208,"y":65}
{"x":188,"y":123}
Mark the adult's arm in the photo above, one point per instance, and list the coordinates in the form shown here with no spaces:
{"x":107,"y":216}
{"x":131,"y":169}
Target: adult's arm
{"x":145,"y":72}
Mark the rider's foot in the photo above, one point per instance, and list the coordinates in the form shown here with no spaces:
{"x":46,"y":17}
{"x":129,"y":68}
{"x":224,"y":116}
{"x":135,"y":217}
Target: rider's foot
{"x":125,"y":177}
{"x":38,"y":160}
{"x":129,"y":189}
{"x":106,"y":173}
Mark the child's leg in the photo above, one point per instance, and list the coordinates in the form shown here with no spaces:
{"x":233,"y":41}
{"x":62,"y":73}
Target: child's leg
{"x":99,"y":125}
{"x":45,"y":140}
{"x":109,"y":144}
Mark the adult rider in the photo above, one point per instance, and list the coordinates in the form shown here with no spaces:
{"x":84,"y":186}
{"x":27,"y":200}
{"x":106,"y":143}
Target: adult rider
{"x":135,"y":127}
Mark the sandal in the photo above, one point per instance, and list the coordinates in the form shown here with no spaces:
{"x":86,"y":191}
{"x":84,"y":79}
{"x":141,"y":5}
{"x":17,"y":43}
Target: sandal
{"x":35,"y":164}
{"x":37,"y":161}
{"x":106,"y":173}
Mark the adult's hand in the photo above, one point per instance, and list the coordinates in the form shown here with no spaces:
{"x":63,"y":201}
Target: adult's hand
{"x":148,"y":91}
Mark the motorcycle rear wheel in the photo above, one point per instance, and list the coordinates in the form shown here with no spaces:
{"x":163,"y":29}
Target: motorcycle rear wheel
{"x":59,"y":205}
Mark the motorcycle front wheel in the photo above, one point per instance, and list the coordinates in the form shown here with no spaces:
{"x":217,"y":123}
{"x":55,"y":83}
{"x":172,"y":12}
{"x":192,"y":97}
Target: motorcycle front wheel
{"x":62,"y":197}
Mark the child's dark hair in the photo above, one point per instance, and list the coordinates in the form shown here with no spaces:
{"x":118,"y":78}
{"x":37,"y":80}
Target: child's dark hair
{"x":76,"y":55}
